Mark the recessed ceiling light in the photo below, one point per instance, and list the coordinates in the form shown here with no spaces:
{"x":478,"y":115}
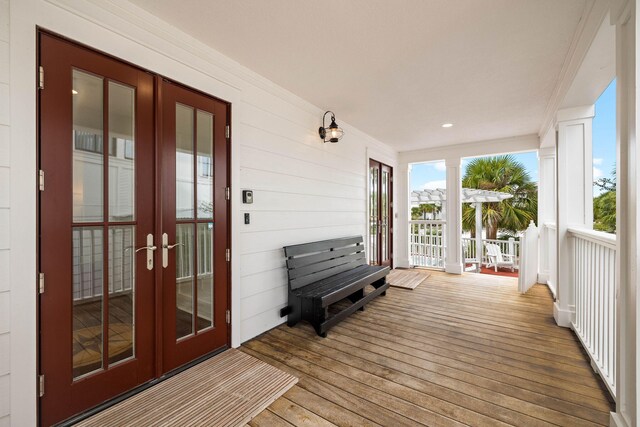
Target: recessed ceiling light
{"x":447,"y":125}
{"x":74,"y":92}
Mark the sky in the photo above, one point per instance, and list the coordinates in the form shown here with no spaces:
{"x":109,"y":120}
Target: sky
{"x":604,"y":135}
{"x":433,"y":175}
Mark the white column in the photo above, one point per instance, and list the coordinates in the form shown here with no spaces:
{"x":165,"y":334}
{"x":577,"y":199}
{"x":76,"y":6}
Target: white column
{"x":453,"y":261}
{"x":403,"y":205}
{"x":575,"y":197}
{"x":546,"y":210}
{"x":624,"y":15}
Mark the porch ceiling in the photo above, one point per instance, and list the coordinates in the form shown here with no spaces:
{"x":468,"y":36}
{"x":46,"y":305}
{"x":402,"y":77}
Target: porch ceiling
{"x":399,"y":70}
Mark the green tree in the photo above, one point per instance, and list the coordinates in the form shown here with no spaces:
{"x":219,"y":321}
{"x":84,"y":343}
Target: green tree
{"x":604,"y":205}
{"x":425,"y":211}
{"x":604,"y":212}
{"x":504,"y":174}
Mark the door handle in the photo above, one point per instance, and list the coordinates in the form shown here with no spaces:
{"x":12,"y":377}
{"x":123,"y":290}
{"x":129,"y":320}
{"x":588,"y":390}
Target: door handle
{"x":165,"y":249}
{"x":150,"y":248}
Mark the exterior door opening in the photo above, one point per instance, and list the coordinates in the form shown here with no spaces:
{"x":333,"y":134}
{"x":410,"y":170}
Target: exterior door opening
{"x":135,"y":267}
{"x":380,"y":214}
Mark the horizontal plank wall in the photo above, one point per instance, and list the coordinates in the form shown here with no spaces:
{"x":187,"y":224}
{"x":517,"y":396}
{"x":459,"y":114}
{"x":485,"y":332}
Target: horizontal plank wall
{"x":304,"y":189}
{"x":5,"y":296}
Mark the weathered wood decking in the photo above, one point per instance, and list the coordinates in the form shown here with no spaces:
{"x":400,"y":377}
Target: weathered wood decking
{"x":456,"y":350}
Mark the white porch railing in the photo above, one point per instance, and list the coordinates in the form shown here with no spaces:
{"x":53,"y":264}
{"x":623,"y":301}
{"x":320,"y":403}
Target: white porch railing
{"x":594,"y":276}
{"x":427,"y":243}
{"x":507,"y":247}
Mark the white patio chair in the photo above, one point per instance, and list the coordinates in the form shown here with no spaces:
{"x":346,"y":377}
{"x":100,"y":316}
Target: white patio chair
{"x":474,"y":261}
{"x":497,"y":258}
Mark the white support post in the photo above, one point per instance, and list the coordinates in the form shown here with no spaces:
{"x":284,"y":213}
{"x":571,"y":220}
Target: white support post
{"x":453,"y":262}
{"x":479,"y":248}
{"x":403,"y":205}
{"x":624,"y":15}
{"x":547,"y":209}
{"x":575,"y":198}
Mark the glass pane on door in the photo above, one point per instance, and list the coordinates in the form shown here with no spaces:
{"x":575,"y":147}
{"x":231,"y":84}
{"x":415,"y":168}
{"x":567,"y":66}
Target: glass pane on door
{"x":204,"y":143}
{"x":88,"y":147}
{"x":384,"y":212}
{"x":373,"y":215}
{"x":184,"y":280}
{"x":88,"y":276}
{"x":121,"y":293}
{"x":184,"y":162}
{"x":205,"y":275}
{"x":121,"y":152}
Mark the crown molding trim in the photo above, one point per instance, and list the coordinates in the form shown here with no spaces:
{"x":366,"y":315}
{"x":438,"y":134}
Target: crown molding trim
{"x":590,"y":21}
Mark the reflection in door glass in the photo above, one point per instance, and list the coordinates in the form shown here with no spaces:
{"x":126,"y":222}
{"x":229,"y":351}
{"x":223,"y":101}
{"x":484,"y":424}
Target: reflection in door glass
{"x":184,"y":280}
{"x":121,"y":293}
{"x":184,"y":162}
{"x":384,"y":199}
{"x":205,"y":275}
{"x":121,"y":152}
{"x":88,"y":147}
{"x":87,"y":297}
{"x":373,"y":215}
{"x":205,"y":164}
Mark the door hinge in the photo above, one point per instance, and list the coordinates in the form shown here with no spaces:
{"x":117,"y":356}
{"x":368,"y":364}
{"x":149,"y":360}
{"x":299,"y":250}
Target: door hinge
{"x":228,"y":255}
{"x":227,"y":132}
{"x":41,"y":77}
{"x":228,"y":317}
{"x":227,"y":193}
{"x":41,"y":180}
{"x":40,"y":385}
{"x":41,"y":283}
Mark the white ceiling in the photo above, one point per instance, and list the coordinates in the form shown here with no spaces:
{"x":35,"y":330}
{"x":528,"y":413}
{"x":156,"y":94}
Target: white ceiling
{"x":398,"y":69}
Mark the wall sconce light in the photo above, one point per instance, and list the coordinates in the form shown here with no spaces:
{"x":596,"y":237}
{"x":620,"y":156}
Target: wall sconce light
{"x":333,"y":133}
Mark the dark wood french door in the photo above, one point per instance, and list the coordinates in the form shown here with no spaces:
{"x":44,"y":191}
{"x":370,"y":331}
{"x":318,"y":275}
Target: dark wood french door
{"x":380,"y":214}
{"x":133,"y":227}
{"x":195,"y":230}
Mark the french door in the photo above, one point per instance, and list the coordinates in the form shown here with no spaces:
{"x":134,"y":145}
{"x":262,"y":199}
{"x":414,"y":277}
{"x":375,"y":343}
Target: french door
{"x":195,"y":236}
{"x":380,"y":214}
{"x":133,"y":227}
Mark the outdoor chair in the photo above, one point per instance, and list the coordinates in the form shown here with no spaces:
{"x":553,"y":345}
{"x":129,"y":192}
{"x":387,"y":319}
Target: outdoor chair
{"x":497,"y":258}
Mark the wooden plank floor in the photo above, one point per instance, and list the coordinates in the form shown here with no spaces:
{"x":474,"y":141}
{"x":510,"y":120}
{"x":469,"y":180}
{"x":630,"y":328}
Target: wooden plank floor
{"x":457,"y":350}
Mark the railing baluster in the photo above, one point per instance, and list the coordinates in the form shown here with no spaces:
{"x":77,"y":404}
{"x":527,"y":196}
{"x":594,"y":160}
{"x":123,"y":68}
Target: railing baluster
{"x":594,"y":260}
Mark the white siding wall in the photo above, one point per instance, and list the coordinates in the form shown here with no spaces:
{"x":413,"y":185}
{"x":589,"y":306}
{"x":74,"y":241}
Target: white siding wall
{"x":5,"y":345}
{"x":304,"y":190}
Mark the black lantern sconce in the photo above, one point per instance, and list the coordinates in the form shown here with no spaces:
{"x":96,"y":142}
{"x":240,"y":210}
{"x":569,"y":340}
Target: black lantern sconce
{"x":332,"y":133}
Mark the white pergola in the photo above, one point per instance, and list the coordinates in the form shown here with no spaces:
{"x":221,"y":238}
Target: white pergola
{"x":469,"y":195}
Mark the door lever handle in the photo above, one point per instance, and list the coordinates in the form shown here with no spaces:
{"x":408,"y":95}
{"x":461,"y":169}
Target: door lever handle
{"x":150,"y":248}
{"x":165,"y":249}
{"x":172,"y":246}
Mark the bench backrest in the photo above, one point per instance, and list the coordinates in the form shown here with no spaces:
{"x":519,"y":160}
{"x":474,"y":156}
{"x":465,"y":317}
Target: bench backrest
{"x":309,"y":262}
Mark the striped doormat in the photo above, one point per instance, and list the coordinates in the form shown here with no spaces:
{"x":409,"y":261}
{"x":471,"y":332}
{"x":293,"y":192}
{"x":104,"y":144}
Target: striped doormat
{"x":226,"y":390}
{"x":406,"y":279}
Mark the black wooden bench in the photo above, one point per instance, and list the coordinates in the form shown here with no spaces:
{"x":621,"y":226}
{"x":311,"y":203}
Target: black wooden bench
{"x":323,"y":273}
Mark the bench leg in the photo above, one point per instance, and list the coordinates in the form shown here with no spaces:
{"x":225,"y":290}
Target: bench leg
{"x":380,"y":282}
{"x":317,"y":328}
{"x":320,"y":315}
{"x":356,"y":296}
{"x":295,"y":314}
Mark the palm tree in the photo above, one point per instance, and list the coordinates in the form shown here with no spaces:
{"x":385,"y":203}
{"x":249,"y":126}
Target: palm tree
{"x":421,"y":211}
{"x":504,"y":174}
